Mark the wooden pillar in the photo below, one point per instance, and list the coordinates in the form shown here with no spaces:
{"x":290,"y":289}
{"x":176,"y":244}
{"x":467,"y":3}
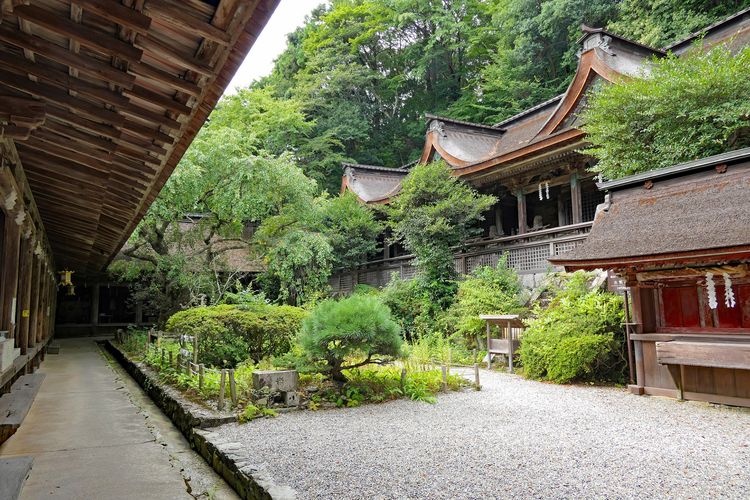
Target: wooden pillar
{"x":386,"y":249}
{"x":52,"y":309}
{"x":139,"y":313}
{"x":34,"y":298}
{"x":41,"y":309}
{"x":561,"y":219}
{"x":575,"y":198}
{"x":11,"y":254}
{"x":521,"y":198}
{"x":499,"y":218}
{"x":24,"y":293}
{"x":95,"y":305}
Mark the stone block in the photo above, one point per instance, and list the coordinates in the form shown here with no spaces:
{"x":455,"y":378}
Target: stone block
{"x":8,"y":354}
{"x":282,"y":380}
{"x":291,"y":398}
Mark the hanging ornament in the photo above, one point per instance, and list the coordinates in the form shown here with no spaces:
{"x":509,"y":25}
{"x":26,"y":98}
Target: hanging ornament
{"x":601,"y":178}
{"x":728,"y":292}
{"x":540,"y":192}
{"x":711,"y":289}
{"x":546,"y":187}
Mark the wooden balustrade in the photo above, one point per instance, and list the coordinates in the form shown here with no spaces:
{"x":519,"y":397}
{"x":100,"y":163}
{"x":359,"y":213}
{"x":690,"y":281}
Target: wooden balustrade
{"x":527,"y":254}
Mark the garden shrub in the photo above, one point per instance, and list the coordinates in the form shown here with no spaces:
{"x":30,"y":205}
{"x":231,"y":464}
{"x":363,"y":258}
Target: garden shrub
{"x":409,"y":303}
{"x":486,"y":291}
{"x":359,"y":326}
{"x":228,"y":334}
{"x":577,"y":337}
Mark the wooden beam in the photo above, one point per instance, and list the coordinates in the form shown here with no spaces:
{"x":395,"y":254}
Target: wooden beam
{"x":169,"y":103}
{"x":83,"y":123}
{"x":53,"y":94}
{"x":15,"y":132}
{"x":177,"y":16}
{"x":24,"y":295}
{"x":166,"y":54}
{"x":62,"y":79}
{"x":116,"y":12}
{"x":88,"y":37}
{"x":74,"y":146}
{"x":150,"y":116}
{"x":170,"y":80}
{"x":87,"y":65}
{"x":76,"y":135}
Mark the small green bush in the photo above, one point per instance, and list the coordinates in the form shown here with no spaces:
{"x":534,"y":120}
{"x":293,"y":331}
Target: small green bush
{"x":486,"y":291}
{"x":228,"y":334}
{"x":359,"y":326}
{"x":410,"y":305}
{"x":577,"y":337}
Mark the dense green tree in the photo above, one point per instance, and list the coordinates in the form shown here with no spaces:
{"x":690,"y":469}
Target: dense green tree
{"x":434,"y":213}
{"x":687,"y":108}
{"x":660,"y":22}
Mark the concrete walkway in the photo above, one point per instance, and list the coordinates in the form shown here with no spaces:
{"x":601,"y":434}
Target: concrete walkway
{"x":93,"y":435}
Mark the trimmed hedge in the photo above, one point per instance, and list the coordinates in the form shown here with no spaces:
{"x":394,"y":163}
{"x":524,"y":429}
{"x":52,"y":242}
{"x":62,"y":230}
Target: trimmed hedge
{"x":230,"y":334}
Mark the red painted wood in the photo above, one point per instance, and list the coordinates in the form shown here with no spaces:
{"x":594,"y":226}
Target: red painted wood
{"x":681,"y":307}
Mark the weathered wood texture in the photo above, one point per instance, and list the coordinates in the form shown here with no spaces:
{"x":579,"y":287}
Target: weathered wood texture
{"x":113,"y":92}
{"x":709,"y":354}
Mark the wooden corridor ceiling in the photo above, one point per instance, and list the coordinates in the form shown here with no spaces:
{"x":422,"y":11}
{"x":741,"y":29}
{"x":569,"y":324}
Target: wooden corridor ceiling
{"x":103,"y":97}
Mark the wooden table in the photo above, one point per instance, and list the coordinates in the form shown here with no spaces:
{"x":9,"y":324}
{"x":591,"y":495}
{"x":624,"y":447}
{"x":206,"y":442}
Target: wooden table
{"x":510,"y":326}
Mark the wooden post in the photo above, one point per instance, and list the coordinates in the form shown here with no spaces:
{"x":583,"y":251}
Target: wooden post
{"x":11,"y":257}
{"x":445,"y":378}
{"x":170,"y":358}
{"x":575,"y":198}
{"x":477,"y":387}
{"x":232,"y":387}
{"x":222,"y":384}
{"x":94,"y":312}
{"x":403,"y":377}
{"x":450,"y":359}
{"x":24,"y":294}
{"x":521,"y":199}
{"x":195,"y":348}
{"x":41,"y":302}
{"x":201,"y":376}
{"x":510,"y":348}
{"x":162,"y":356}
{"x":489,"y":357}
{"x":34,"y":298}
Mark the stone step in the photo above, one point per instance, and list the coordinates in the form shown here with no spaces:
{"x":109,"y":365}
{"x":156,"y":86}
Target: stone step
{"x":13,"y":473}
{"x":16,"y":404}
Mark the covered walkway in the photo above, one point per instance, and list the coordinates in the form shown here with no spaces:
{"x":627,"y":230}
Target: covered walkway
{"x":93,"y":434}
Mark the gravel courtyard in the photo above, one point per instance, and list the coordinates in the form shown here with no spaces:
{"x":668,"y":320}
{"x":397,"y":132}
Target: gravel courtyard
{"x":515,"y":438}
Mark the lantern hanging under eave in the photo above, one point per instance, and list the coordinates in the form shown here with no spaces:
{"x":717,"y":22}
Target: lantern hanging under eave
{"x":66,"y":278}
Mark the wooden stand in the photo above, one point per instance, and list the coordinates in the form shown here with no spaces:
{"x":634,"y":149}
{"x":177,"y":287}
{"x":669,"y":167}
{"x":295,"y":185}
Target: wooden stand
{"x":510,"y":327}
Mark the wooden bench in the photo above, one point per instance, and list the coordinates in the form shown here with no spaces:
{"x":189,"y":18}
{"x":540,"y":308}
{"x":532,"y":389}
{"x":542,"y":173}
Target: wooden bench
{"x":676,"y":354}
{"x":510,"y":327}
{"x":16,"y":404}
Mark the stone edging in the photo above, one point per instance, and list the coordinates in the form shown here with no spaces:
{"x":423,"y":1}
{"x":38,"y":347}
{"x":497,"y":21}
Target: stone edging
{"x":230,"y":460}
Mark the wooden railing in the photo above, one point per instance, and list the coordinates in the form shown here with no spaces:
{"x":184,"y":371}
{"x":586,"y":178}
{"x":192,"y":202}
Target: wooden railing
{"x":527,"y":254}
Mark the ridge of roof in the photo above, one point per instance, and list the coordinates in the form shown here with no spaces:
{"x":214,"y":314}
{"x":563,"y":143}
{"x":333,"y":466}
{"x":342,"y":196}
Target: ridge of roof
{"x":588,"y":30}
{"x":691,"y":37}
{"x":493,"y":128}
{"x":528,"y":111}
{"x":377,"y":168}
{"x":674,"y":170}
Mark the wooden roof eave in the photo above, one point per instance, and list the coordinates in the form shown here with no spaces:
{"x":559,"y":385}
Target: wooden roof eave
{"x":708,"y":256}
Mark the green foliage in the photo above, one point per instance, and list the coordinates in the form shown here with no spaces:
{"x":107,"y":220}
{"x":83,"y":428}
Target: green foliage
{"x":251,"y":412}
{"x":577,"y":337}
{"x":351,"y":228}
{"x":486,"y":291}
{"x":359,"y":326}
{"x":378,"y":384}
{"x":689,"y":107}
{"x":408,"y":302}
{"x":659,"y":22}
{"x":435,"y":212}
{"x":229,"y":335}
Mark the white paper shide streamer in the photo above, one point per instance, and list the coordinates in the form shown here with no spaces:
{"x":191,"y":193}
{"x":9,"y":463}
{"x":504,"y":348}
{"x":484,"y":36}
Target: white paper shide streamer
{"x":711,"y":289}
{"x":540,"y":192}
{"x":546,"y":187}
{"x":728,"y":292}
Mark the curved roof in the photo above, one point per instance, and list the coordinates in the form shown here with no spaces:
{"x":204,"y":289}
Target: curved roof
{"x":373,"y":184}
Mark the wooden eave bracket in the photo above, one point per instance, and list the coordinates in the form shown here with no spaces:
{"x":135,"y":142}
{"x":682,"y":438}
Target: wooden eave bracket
{"x":19,"y":116}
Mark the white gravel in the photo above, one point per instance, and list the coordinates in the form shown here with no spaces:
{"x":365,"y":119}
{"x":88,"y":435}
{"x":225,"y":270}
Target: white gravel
{"x":515,"y":438}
